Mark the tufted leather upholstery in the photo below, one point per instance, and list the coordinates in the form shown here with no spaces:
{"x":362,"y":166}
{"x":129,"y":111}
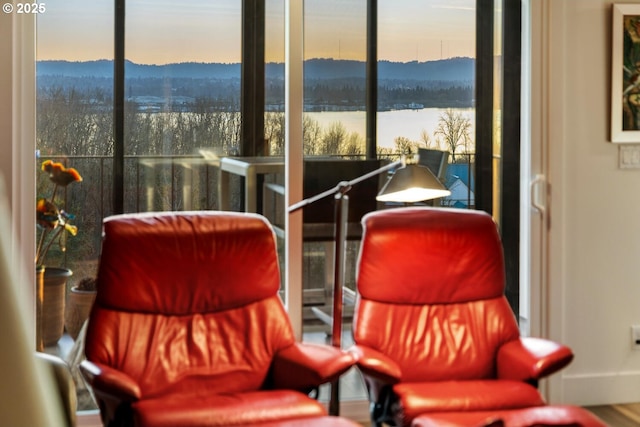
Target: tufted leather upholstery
{"x":188,"y":329}
{"x":432,"y":328}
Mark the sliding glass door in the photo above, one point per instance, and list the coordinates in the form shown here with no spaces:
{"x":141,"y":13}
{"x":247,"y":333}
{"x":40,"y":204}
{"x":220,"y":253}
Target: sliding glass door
{"x":158,"y":127}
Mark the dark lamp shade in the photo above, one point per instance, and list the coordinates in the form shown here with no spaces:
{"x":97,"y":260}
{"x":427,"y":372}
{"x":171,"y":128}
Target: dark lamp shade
{"x":410,"y":184}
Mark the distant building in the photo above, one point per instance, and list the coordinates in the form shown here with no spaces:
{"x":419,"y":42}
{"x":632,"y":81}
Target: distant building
{"x":460,"y":181}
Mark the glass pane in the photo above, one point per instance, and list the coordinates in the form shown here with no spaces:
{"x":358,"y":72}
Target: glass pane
{"x":74,"y":128}
{"x":334,"y":134}
{"x":334,"y":77}
{"x":426,"y":68}
{"x":274,"y":76}
{"x":182,"y":107}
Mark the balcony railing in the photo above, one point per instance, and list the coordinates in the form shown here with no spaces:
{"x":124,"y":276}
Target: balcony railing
{"x":169,"y":183}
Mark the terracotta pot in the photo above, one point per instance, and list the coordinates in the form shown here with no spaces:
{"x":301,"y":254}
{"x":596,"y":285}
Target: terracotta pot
{"x":51,"y":289}
{"x":79,"y":305}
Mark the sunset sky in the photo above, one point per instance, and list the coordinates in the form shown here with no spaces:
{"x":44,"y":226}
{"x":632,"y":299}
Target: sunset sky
{"x":163,"y":31}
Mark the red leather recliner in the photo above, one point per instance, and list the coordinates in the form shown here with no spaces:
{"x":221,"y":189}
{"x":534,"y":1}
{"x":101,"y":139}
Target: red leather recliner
{"x":433,"y":330}
{"x":188,"y":329}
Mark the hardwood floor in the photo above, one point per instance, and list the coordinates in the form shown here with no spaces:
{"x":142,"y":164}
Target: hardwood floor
{"x":627,"y":415}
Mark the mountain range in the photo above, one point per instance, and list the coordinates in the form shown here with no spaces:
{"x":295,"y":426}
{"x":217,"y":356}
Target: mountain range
{"x":445,"y":70}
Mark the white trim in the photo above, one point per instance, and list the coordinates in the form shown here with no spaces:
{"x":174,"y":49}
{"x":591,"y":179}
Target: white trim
{"x":602,"y":389}
{"x":525,"y":172}
{"x":17,"y":142}
{"x":294,"y":56}
{"x":546,"y":17}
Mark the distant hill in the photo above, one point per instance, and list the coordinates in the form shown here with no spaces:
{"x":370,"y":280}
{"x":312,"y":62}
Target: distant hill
{"x":104,"y":68}
{"x":446,"y":70}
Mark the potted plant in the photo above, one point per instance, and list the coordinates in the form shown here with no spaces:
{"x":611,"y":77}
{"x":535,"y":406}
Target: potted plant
{"x":54,"y":224}
{"x":79,"y":302}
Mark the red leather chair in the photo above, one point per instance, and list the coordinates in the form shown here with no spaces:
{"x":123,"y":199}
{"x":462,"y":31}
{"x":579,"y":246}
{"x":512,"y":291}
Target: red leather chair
{"x":433,"y":331}
{"x":188,"y":329}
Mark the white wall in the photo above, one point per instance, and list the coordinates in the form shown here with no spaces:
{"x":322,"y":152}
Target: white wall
{"x":592,"y":278}
{"x":5,"y":93}
{"x":25,"y":390}
{"x":17,"y":138}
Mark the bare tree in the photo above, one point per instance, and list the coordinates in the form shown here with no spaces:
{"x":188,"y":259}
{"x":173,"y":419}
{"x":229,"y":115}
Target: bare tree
{"x":404,"y":145}
{"x":353,"y":145}
{"x":333,"y":139}
{"x":311,"y":134}
{"x":274,"y":127}
{"x":425,"y":138}
{"x":454,"y":129}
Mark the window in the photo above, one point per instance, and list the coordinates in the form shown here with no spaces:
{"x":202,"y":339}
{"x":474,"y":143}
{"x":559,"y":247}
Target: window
{"x":187,"y":70}
{"x":182,"y":102}
{"x":75,"y":119}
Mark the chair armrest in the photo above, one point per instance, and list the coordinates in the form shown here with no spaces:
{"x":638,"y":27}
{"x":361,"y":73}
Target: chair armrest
{"x":531,"y":358}
{"x":305,"y":366}
{"x":110,"y":382}
{"x":376,"y":364}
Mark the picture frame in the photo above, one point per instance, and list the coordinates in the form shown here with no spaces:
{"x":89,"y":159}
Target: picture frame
{"x":625,"y":74}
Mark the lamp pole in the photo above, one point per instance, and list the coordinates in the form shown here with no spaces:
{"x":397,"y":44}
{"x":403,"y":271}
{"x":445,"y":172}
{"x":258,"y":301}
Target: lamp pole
{"x":340,"y":241}
{"x":341,"y":215}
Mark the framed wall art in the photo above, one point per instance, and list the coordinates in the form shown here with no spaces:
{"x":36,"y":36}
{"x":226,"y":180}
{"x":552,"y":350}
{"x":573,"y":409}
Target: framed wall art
{"x":625,"y":74}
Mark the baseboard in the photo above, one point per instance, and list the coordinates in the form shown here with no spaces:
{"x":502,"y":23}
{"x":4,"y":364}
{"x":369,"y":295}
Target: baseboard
{"x":601,"y":389}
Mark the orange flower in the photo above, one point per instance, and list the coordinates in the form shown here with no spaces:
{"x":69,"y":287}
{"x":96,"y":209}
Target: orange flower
{"x":53,"y":221}
{"x":60,"y":175}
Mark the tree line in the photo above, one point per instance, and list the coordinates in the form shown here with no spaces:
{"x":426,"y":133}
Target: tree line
{"x":76,"y":126}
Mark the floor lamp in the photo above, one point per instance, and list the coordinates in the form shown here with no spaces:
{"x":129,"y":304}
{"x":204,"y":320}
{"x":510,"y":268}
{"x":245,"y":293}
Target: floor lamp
{"x":409,"y":183}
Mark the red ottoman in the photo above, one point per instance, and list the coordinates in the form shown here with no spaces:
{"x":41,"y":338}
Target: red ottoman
{"x":327,"y":421}
{"x":539,"y":416}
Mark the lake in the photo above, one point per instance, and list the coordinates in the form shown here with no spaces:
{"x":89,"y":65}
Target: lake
{"x":392,"y":124}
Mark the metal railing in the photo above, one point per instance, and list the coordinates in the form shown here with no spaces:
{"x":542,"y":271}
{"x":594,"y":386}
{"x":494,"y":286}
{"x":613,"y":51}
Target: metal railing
{"x":164,"y":183}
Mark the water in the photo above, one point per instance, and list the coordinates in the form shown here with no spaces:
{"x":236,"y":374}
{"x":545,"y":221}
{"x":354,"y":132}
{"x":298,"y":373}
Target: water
{"x":392,"y":124}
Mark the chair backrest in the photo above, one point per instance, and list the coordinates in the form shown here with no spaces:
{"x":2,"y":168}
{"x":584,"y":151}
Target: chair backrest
{"x":436,"y":160}
{"x":198,"y":291}
{"x":431,"y":292}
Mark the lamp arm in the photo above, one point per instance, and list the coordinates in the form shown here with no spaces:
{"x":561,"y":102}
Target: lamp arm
{"x":345,"y":185}
{"x":313,"y":199}
{"x":378,"y":171}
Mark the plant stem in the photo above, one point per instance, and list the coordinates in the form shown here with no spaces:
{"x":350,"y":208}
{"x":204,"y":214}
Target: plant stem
{"x":39,"y":254}
{"x":46,"y":249}
{"x":53,"y":195}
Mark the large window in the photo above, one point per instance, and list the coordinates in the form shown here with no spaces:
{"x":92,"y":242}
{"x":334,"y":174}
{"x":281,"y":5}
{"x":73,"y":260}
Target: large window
{"x":426,"y":85}
{"x":182,"y":101}
{"x":75,"y":120}
{"x":181,"y":95}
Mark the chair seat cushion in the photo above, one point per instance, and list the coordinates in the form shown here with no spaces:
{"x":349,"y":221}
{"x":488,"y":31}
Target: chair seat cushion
{"x":539,"y":416}
{"x":325,"y":421}
{"x":250,"y":408}
{"x":475,"y":395}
